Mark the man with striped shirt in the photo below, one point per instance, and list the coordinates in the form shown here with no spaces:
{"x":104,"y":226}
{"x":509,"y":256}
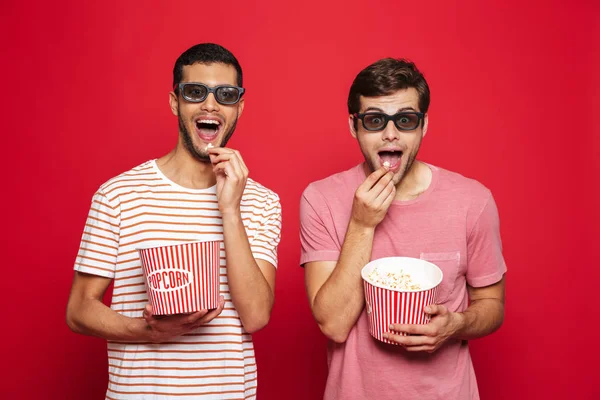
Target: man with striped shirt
{"x":200,"y":191}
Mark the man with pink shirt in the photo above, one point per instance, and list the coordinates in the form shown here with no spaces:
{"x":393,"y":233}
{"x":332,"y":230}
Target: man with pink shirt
{"x":394,"y":205}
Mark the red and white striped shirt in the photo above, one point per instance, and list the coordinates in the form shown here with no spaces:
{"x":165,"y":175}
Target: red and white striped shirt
{"x":142,"y":207}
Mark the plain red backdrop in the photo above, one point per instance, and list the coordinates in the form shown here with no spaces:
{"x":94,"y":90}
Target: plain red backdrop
{"x":514,"y":96}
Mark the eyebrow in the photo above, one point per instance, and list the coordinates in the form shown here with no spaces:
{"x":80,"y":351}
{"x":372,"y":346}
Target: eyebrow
{"x":380,"y":110}
{"x":206,"y":84}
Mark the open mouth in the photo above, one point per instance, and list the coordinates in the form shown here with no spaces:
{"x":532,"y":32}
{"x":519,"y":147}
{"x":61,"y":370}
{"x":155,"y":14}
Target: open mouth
{"x":390,"y":158}
{"x":208,"y":129}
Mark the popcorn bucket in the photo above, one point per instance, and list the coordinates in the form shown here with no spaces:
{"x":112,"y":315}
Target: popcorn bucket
{"x":182,"y":278}
{"x":396,"y":291}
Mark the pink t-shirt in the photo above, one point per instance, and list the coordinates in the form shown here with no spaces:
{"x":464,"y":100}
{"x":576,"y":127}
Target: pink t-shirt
{"x":454,"y":224}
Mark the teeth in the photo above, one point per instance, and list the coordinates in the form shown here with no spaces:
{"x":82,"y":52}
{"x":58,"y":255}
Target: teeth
{"x":209,"y":121}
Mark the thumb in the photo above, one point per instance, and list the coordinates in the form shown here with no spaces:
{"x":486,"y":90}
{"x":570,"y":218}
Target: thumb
{"x":221,"y":305}
{"x":435,"y":309}
{"x":148,"y":316}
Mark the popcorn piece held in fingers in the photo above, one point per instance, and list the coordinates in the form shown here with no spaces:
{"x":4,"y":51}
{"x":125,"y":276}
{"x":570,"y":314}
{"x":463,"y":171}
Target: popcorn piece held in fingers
{"x":210,"y":146}
{"x":386,"y":164}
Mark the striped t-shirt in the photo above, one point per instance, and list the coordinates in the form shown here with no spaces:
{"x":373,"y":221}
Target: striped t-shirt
{"x":142,"y":207}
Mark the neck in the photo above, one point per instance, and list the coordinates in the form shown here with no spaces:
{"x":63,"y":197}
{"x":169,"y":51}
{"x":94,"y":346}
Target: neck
{"x":186,"y":170}
{"x":414,"y":183}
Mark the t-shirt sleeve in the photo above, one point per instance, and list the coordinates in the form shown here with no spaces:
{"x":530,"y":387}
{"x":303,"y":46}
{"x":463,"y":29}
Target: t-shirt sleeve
{"x":266,"y":240}
{"x":317,"y":231}
{"x":99,"y":244}
{"x":486,"y":264}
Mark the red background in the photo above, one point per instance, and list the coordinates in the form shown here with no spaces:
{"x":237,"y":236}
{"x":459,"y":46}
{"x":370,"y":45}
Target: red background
{"x":515,"y":91}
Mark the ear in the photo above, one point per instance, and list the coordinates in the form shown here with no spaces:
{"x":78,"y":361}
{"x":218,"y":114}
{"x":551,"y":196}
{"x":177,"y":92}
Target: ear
{"x":425,"y":124}
{"x":240,"y":107}
{"x":174,"y":102}
{"x":351,"y":126}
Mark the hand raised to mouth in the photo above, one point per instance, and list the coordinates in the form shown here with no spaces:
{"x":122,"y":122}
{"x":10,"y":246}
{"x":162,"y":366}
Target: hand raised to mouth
{"x":373,"y":198}
{"x":232,"y":174}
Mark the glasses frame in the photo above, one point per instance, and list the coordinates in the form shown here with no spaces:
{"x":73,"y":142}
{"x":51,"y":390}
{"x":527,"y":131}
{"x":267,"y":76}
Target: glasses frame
{"x":209,"y":90}
{"x":388,"y":118}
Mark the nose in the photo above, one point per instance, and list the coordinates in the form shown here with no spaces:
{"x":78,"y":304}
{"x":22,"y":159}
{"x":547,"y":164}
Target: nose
{"x":210,"y":104}
{"x":390,"y":132}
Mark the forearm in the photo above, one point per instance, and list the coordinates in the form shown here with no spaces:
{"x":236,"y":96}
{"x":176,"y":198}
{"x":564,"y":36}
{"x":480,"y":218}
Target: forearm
{"x":91,"y":317}
{"x":340,"y":301}
{"x":250,"y":292}
{"x":481,"y":318}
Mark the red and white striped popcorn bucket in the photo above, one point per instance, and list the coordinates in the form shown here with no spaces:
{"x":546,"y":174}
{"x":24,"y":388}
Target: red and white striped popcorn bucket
{"x":182,"y":278}
{"x":403,"y":304}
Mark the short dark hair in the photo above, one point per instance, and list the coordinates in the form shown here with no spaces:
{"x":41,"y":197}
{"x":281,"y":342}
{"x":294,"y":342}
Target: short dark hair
{"x":385,"y":77}
{"x":206,"y":53}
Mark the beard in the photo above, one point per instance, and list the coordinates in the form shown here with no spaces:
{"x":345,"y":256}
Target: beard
{"x":188,"y":141}
{"x":409,"y":163}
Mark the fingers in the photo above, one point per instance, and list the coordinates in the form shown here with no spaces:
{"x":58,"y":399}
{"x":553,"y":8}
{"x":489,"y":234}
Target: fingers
{"x":388,"y":201}
{"x":373,"y":197}
{"x":426,"y":337}
{"x":411,"y":342}
{"x":169,"y":322}
{"x":194,"y":317}
{"x":425,"y":329}
{"x":382,"y":185}
{"x":212,"y":315}
{"x":209,"y":316}
{"x":386,"y":196}
{"x":429,"y":349}
{"x":169,"y":326}
{"x":147,"y":314}
{"x":372,"y":179}
{"x":221,"y":157}
{"x":237,"y":160}
{"x":237,"y":166}
{"x":241,"y":160}
{"x":436,"y":309}
{"x":218,"y":158}
{"x":227,"y":169}
{"x":219,"y":150}
{"x":224,"y":154}
{"x":183,"y":319}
